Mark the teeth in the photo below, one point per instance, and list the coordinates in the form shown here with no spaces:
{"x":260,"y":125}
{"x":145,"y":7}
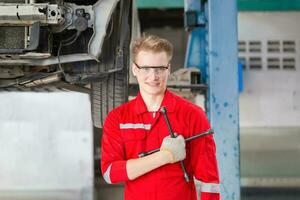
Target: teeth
{"x":153,"y":84}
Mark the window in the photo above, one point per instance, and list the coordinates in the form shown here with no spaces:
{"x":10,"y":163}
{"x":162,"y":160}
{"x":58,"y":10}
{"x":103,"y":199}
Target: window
{"x":243,"y":62}
{"x":242,"y":46}
{"x":273,"y":63}
{"x":289,"y":46}
{"x":255,"y":63}
{"x":254,"y":46}
{"x":273,"y":46}
{"x":289,"y":63}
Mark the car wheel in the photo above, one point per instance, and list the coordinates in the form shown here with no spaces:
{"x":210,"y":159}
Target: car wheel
{"x":112,"y":90}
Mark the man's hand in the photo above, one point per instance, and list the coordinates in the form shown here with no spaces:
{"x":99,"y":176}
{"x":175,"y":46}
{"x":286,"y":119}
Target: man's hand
{"x":175,"y":147}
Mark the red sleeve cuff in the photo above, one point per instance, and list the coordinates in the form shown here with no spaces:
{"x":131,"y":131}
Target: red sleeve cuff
{"x":118,"y":172}
{"x":210,"y":196}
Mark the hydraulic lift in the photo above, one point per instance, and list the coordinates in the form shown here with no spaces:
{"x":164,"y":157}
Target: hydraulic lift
{"x":212,"y":48}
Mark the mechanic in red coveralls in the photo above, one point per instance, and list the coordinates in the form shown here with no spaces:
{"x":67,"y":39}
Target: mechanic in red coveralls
{"x":138,"y":126}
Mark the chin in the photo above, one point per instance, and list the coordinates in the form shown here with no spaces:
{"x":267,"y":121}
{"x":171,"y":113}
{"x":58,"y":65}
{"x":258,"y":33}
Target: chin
{"x":155,"y":91}
{"x":152,"y":90}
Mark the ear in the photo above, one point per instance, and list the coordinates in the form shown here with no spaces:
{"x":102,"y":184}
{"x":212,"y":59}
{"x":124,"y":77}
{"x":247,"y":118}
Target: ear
{"x":169,"y":70}
{"x":134,"y":69}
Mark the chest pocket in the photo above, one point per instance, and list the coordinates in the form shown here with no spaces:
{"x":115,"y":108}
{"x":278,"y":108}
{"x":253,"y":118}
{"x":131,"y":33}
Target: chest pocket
{"x":134,"y":137}
{"x":130,"y":135}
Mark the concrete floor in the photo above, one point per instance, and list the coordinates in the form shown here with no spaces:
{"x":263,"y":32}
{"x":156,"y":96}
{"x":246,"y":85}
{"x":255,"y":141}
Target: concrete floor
{"x":270,"y":194}
{"x":116,"y":193}
{"x":270,"y":157}
{"x":270,"y":163}
{"x":45,"y":195}
{"x":105,"y":192}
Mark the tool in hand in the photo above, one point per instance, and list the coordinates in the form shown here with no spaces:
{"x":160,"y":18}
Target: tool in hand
{"x":196,"y":136}
{"x":164,"y":112}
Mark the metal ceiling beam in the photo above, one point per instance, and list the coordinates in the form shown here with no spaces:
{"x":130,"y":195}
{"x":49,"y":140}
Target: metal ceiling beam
{"x":243,"y":5}
{"x":160,"y":4}
{"x":268,"y":5}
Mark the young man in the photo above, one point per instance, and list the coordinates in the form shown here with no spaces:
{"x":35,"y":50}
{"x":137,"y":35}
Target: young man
{"x":138,"y":126}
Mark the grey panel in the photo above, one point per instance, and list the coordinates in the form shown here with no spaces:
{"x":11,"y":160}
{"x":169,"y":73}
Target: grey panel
{"x":12,"y":1}
{"x":12,"y":37}
{"x":46,"y":146}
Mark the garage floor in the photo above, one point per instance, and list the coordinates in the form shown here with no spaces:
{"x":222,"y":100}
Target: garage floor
{"x":270,"y":157}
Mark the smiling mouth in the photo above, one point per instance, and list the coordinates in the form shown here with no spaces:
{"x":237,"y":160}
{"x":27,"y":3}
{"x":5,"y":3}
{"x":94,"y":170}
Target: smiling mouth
{"x":152,"y":84}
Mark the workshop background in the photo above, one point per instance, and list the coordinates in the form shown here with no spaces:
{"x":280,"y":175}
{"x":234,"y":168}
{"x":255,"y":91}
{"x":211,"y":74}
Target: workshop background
{"x":251,"y":45}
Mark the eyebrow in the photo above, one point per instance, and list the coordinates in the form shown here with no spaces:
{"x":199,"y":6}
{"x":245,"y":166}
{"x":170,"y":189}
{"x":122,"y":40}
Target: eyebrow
{"x":161,"y":66}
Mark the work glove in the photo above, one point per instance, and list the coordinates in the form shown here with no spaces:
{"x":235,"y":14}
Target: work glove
{"x":175,"y":146}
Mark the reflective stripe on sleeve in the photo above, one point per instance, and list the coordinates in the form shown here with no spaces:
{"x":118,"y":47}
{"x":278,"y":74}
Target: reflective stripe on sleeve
{"x":106,"y":175}
{"x":210,"y":187}
{"x":135,"y":126}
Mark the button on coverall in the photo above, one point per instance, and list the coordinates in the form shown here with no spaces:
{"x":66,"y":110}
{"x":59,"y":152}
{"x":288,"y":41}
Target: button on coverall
{"x":130,"y":129}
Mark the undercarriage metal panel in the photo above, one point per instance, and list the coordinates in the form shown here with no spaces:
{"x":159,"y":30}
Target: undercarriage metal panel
{"x":8,"y":37}
{"x":27,"y":14}
{"x":48,"y":61}
{"x":103,"y":11}
{"x":100,"y":18}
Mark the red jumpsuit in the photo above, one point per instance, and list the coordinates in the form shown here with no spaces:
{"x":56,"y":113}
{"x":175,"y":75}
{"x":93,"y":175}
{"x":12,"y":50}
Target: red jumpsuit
{"x":130,"y":129}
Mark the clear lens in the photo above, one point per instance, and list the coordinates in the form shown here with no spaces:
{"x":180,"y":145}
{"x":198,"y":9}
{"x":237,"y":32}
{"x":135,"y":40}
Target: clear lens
{"x":158,"y":70}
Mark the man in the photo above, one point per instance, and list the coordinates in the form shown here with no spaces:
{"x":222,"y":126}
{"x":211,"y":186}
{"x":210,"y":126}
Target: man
{"x":138,"y":126}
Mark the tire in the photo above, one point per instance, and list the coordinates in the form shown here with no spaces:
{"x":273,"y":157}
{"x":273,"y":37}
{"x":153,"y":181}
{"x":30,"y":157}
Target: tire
{"x":112,"y":91}
{"x":107,"y":95}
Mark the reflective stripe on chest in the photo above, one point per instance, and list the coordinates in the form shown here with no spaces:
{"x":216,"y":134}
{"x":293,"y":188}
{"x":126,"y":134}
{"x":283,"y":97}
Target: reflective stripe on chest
{"x":135,"y":126}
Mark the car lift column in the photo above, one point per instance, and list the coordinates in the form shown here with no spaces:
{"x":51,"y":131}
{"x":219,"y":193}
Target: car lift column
{"x":212,"y":48}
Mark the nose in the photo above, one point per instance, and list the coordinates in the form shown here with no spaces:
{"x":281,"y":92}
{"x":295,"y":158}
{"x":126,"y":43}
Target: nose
{"x":154,"y":74}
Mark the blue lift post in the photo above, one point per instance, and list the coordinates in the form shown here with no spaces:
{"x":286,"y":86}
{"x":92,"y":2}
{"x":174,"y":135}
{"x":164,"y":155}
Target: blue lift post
{"x":196,"y":22}
{"x":213,"y":49}
{"x":223,"y":95}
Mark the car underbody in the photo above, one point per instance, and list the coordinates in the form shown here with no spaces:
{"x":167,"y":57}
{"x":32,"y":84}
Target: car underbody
{"x":80,"y":45}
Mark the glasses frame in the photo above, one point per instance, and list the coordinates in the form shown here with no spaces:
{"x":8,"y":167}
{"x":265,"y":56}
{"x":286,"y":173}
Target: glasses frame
{"x":153,"y":67}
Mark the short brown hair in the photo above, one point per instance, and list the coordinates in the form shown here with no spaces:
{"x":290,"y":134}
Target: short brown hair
{"x":152,"y":43}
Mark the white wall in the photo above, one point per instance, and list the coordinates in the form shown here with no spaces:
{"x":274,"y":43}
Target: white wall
{"x":271,"y":97}
{"x":46,"y":145}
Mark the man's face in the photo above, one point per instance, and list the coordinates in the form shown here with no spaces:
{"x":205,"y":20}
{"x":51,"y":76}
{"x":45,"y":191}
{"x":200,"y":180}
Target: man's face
{"x":152,"y":71}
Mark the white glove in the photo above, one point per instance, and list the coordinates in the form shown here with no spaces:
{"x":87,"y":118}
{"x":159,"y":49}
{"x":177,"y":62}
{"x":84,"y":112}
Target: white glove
{"x":176,"y":146}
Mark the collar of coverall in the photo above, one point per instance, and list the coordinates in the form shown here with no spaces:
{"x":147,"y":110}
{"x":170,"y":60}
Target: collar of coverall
{"x":168,"y":101}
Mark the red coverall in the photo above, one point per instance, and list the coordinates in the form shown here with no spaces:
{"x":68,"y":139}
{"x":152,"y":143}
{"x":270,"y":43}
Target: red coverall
{"x":130,"y":129}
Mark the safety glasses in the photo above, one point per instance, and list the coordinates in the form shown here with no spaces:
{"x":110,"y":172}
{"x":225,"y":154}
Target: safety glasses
{"x":158,"y":70}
